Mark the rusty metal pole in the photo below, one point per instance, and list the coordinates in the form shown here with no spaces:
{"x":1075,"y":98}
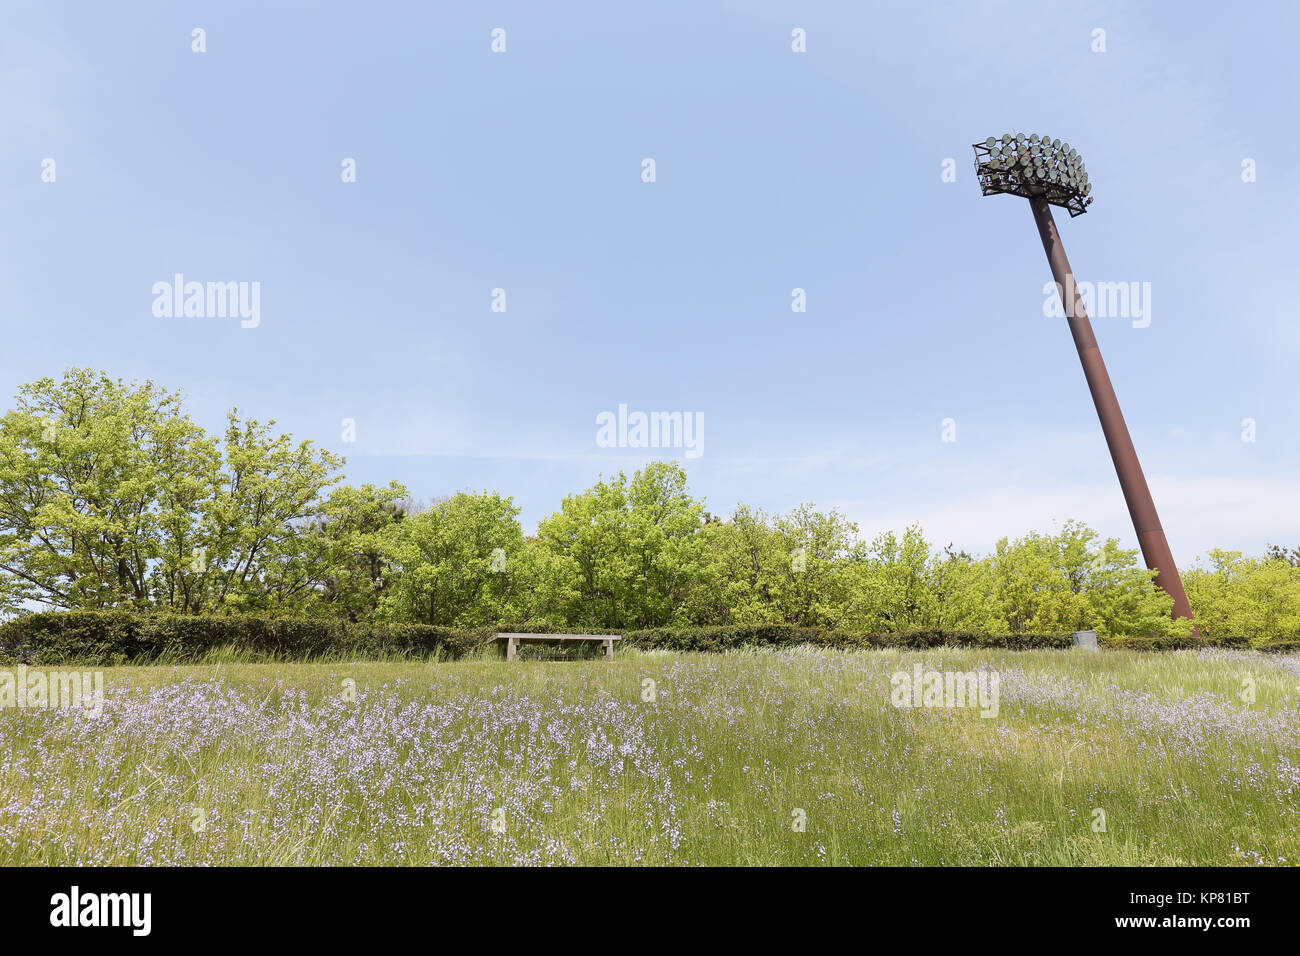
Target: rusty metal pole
{"x":1150,"y":535}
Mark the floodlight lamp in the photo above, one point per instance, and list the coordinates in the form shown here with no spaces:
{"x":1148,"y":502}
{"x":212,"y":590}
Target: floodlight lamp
{"x":1034,"y":166}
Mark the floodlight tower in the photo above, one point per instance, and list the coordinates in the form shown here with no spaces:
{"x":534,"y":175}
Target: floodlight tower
{"x":1049,"y":173}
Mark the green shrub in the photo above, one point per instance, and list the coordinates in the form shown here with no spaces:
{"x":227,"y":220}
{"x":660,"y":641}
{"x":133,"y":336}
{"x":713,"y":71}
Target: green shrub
{"x":782,"y":635}
{"x":777,"y":635}
{"x":119,"y":637}
{"x":712,"y":639}
{"x":111,"y":637}
{"x":1281,"y":646}
{"x":1171,"y":642}
{"x":922,"y":639}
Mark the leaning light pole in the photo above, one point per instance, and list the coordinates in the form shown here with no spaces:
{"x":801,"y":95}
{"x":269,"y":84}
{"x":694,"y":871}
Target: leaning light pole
{"x":1049,"y":173}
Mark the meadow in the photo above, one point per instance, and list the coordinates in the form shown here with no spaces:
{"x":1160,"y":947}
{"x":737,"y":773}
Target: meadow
{"x":791,"y":757}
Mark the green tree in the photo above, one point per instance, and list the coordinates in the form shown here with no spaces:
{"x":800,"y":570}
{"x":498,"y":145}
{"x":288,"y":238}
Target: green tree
{"x":111,"y":496}
{"x":813,"y":586}
{"x":345,"y":549}
{"x":1248,"y":597}
{"x":539,"y":588}
{"x":962,"y":591}
{"x":891,"y":590}
{"x":455,"y":563}
{"x":83,"y":464}
{"x":634,"y":548}
{"x":1074,"y":581}
{"x":742,"y":561}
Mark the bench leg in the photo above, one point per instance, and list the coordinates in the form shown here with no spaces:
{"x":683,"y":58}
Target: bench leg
{"x":609,"y":650}
{"x":511,"y":653}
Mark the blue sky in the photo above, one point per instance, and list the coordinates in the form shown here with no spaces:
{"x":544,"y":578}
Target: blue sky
{"x":775,"y":170}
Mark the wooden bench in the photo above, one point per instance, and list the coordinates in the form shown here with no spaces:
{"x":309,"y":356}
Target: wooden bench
{"x":514,"y":640}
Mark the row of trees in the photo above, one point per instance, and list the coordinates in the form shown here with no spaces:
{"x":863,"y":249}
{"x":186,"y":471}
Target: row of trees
{"x":111,"y":496}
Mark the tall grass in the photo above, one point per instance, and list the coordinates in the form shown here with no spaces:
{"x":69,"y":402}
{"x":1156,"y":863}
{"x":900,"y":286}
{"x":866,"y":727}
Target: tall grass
{"x":716,"y":762}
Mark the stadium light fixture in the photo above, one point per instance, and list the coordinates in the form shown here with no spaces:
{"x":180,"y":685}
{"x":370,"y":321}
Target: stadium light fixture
{"x":1050,"y":173}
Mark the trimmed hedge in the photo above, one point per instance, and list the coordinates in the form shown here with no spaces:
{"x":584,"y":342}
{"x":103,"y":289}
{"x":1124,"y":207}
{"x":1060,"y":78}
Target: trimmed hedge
{"x":779,"y":635}
{"x":782,"y":635}
{"x":1284,"y":645}
{"x":1166,"y":642}
{"x":712,"y":639}
{"x":112,"y":637}
{"x":932,"y":638}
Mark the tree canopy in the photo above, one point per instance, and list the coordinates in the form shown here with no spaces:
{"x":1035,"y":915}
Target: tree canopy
{"x":111,"y":496}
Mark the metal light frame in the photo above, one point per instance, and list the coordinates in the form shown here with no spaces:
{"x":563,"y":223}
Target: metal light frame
{"x":1000,"y":167}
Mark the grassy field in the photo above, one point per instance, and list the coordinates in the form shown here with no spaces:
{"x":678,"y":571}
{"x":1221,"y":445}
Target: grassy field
{"x":567,"y":762}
